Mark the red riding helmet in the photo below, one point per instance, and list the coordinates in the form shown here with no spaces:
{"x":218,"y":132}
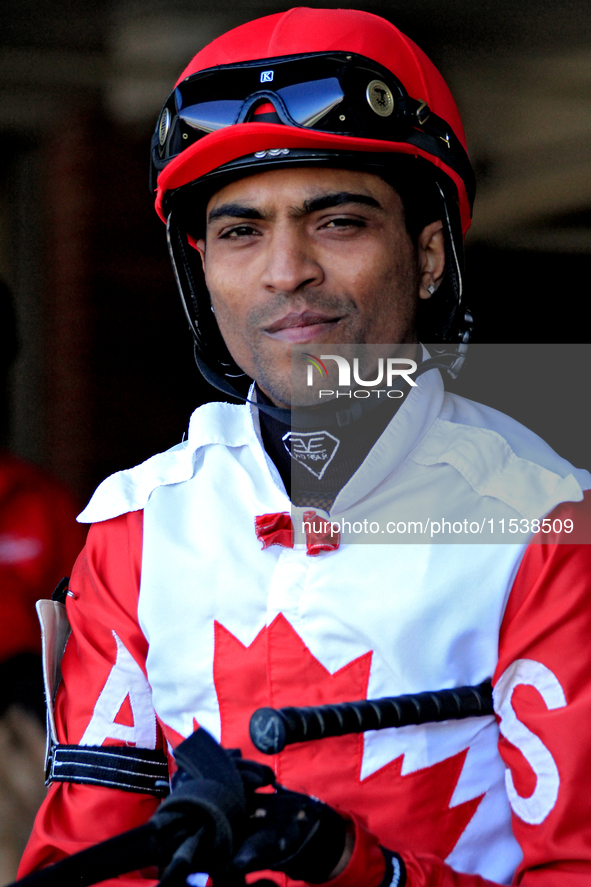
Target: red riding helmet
{"x":335,"y":87}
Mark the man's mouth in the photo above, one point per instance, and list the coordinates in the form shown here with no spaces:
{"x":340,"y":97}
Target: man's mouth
{"x":300,"y":327}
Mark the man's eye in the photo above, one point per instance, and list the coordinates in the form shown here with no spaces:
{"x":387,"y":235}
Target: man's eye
{"x":238,"y":231}
{"x":345,"y":223}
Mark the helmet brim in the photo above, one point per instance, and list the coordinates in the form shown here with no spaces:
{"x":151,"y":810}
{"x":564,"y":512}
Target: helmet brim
{"x":244,"y":139}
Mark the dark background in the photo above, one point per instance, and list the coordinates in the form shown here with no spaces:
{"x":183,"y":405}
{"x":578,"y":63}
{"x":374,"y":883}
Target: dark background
{"x":105,"y":376}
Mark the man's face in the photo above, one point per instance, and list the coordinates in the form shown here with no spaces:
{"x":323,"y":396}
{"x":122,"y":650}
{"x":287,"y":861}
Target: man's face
{"x":312,"y":256}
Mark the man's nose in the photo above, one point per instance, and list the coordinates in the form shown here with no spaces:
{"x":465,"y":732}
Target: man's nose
{"x":290,"y":262}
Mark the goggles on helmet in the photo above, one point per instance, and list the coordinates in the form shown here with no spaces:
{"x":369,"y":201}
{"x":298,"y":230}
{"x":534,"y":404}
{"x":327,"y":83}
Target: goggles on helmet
{"x":333,"y":92}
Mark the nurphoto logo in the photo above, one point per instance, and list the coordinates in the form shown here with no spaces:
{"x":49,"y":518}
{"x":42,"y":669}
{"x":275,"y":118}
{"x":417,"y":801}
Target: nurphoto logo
{"x":383,"y":371}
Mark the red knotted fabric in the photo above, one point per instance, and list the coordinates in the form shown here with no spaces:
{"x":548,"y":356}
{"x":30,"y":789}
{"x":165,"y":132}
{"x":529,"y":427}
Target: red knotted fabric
{"x":274,"y":529}
{"x":277,"y":529}
{"x":321,"y":534}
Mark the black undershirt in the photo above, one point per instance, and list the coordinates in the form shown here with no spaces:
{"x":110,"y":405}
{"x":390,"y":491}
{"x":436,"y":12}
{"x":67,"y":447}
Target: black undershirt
{"x":323,"y":459}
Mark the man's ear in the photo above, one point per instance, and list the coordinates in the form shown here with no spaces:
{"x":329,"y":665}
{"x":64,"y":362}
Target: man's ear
{"x":200,"y":247}
{"x":431,"y":257}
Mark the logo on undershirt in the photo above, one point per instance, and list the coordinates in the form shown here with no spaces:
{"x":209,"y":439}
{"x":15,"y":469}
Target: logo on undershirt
{"x":315,"y":450}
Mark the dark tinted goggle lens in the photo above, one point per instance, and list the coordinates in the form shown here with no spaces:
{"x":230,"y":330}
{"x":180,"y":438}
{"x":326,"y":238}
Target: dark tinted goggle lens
{"x":306,"y":104}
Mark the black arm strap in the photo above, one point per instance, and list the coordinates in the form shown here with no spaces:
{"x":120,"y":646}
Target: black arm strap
{"x":140,"y":770}
{"x":130,"y":769}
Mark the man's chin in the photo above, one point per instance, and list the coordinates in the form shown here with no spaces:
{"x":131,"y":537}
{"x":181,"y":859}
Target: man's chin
{"x":288,"y":397}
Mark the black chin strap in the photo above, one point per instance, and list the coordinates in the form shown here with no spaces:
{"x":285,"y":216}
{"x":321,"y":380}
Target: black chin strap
{"x":329,"y":414}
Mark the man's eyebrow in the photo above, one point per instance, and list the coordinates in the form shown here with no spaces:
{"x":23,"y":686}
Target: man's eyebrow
{"x":315,"y":204}
{"x":339,"y":198}
{"x":234,"y":211}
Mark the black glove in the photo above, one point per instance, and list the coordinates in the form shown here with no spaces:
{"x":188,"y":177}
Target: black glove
{"x":291,"y":833}
{"x":214,"y":808}
{"x":207,"y":807}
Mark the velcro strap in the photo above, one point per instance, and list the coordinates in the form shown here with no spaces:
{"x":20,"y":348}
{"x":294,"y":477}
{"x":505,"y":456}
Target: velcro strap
{"x":130,"y":769}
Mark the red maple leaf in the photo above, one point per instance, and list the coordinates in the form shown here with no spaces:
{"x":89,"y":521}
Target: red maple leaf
{"x":277,"y":669}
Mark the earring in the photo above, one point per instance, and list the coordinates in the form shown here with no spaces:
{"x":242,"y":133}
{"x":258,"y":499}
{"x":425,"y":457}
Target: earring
{"x":431,"y":289}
